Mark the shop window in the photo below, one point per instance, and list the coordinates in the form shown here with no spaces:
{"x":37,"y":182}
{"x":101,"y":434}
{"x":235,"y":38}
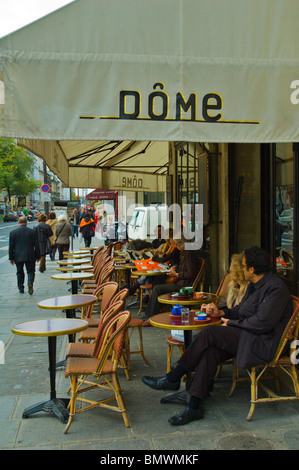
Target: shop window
{"x":284,"y":211}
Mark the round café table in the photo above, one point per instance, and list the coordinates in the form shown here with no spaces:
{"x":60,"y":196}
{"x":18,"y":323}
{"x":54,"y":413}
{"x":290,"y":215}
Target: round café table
{"x":77,"y":268}
{"x":73,"y":261}
{"x":76,"y":255}
{"x":89,"y":248}
{"x":173,"y":322}
{"x":74,"y":277}
{"x":50,"y":328}
{"x":69,"y":303}
{"x":171,"y":299}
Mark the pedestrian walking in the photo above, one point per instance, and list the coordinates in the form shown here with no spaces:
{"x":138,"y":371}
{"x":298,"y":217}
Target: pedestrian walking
{"x":52,"y":221}
{"x":44,"y":232}
{"x":24,"y":250}
{"x":63,"y":232}
{"x":75,"y":221}
{"x":87,"y":228}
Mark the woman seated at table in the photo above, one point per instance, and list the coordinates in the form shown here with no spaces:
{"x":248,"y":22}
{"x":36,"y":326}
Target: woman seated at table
{"x":184,"y":275}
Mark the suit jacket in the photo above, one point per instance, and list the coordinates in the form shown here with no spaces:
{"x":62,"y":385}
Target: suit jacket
{"x":262,"y":316}
{"x":23,"y":245}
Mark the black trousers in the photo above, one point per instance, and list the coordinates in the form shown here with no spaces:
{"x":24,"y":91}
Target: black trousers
{"x":154,"y":306}
{"x":61,"y":248}
{"x":213,"y":345}
{"x":30,"y":268}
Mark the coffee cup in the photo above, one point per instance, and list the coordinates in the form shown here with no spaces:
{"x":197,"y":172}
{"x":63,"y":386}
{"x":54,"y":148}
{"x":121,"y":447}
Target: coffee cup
{"x":201,"y":316}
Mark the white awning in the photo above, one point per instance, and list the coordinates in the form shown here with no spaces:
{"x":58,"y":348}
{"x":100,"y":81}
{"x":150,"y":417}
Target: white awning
{"x":133,"y":166}
{"x":123,"y":71}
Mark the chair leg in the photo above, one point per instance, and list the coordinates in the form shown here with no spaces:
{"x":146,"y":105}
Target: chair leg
{"x":140,"y":301}
{"x":72,"y":404}
{"x":120,"y":400}
{"x":141,"y":344}
{"x":124,"y":364}
{"x":235,"y":375}
{"x":253,"y":393}
{"x":169,"y":354}
{"x":219,"y":369}
{"x":139,"y":351}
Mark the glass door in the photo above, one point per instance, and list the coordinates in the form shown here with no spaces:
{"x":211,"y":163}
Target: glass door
{"x":285,"y":213}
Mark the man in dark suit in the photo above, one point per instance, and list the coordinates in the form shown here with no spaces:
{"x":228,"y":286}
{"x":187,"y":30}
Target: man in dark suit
{"x":24,"y":250}
{"x":250,"y":332}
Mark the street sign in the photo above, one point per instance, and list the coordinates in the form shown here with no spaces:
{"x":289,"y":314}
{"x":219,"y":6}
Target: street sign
{"x":45,"y":197}
{"x":45,"y":188}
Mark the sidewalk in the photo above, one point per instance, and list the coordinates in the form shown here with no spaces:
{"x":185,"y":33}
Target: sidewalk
{"x":25,"y":381}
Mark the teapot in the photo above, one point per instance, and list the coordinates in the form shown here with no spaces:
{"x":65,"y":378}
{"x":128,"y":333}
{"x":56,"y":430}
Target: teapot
{"x":176,"y":309}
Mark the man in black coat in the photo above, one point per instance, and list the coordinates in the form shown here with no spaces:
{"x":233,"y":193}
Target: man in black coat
{"x":251,"y":334}
{"x":24,"y":250}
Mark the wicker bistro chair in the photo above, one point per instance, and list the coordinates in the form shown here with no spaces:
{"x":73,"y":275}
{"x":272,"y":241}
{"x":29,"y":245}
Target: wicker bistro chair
{"x":105,"y":293}
{"x":90,"y":333}
{"x":199,"y":280}
{"x":99,"y":259}
{"x":111,"y":295}
{"x":104,"y":276}
{"x":104,"y":366}
{"x":280,"y":361}
{"x":170,"y":341}
{"x":97,"y":262}
{"x":90,"y":349}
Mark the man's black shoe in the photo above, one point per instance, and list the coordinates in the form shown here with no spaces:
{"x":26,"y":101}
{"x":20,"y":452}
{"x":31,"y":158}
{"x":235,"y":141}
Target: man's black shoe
{"x":186,"y":416}
{"x":30,"y":289}
{"x":160,"y":383}
{"x":21,"y":291}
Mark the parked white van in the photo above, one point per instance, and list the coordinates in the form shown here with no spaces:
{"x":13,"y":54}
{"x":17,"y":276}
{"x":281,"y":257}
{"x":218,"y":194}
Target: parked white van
{"x":145,"y":219}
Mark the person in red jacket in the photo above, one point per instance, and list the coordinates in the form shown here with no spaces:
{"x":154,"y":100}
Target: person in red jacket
{"x":87,"y":228}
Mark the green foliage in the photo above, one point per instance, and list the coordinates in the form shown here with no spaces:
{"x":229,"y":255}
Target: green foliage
{"x":16,"y":163}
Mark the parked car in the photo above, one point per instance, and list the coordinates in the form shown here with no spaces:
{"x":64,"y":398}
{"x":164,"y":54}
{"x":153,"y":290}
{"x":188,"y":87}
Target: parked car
{"x":10,"y":217}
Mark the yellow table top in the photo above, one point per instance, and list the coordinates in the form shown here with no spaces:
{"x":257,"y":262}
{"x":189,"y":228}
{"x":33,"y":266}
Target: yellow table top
{"x":172,"y":322}
{"x":169,"y":299}
{"x":144,"y":272}
{"x":50,"y":327}
{"x":72,"y":276}
{"x":89,"y":248}
{"x":68,"y":301}
{"x":78,"y":256}
{"x":71,"y":261}
{"x":80,"y":267}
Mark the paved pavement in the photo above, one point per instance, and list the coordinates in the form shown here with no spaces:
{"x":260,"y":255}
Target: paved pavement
{"x":25,"y":381}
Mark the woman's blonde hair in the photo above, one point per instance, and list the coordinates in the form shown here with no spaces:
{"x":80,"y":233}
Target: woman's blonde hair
{"x":235,"y":268}
{"x":238,"y":284}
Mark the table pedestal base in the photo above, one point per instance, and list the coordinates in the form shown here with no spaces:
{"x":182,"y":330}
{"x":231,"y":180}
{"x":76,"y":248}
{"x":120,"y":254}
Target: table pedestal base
{"x":58,"y":406}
